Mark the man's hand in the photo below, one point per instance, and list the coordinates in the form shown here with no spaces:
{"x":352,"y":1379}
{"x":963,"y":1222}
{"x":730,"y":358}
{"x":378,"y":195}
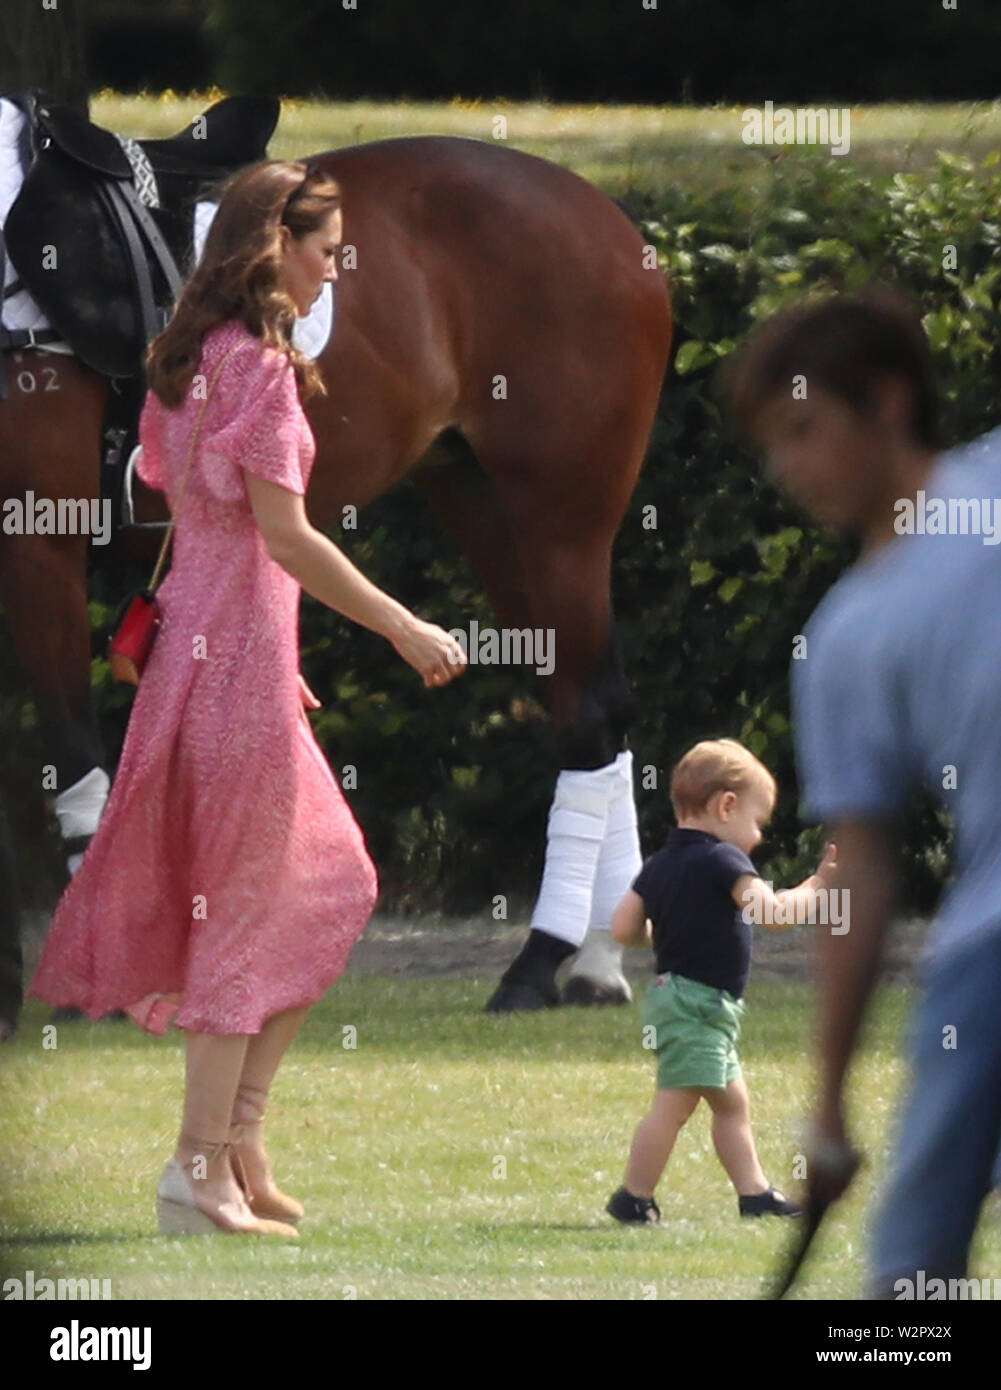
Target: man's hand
{"x":827,"y":870}
{"x":868,"y":870}
{"x":831,"y":1160}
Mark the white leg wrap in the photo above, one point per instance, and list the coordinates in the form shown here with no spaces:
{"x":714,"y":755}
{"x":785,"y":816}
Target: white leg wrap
{"x":592,"y":855}
{"x":620,"y":859}
{"x":574,"y":834}
{"x":600,"y":958}
{"x":599,"y":961}
{"x":79,"y":809}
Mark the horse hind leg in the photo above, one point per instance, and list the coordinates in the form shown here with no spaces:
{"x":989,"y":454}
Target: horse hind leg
{"x":592,"y":840}
{"x":11,"y":987}
{"x":564,"y":447}
{"x":592,"y":849}
{"x":43,"y":590}
{"x":596,"y":976}
{"x":467,"y":503}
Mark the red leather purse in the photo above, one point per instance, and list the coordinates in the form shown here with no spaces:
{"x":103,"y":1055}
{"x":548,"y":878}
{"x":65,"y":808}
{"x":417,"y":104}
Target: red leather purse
{"x":138,"y":620}
{"x":132,"y":639}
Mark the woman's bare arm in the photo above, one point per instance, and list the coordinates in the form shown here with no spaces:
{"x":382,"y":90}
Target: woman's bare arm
{"x":327,"y":574}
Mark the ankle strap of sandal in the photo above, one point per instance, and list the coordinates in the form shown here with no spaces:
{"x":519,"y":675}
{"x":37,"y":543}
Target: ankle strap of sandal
{"x":254,"y":1097}
{"x":208,"y":1149}
{"x":250,"y":1102}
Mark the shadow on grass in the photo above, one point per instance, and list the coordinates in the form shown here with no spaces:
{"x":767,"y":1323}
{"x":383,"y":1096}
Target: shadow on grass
{"x":522,"y":1228}
{"x":30,"y":1237}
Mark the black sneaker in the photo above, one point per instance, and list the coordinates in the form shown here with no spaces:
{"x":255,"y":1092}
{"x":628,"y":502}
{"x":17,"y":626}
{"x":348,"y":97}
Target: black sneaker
{"x":770,"y":1203}
{"x":636,"y":1211}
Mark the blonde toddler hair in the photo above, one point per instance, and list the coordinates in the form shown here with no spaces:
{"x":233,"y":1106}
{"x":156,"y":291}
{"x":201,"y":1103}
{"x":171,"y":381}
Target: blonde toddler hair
{"x":715,"y":765}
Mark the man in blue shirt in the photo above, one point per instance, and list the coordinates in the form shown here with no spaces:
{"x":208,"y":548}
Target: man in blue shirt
{"x":897,"y":685}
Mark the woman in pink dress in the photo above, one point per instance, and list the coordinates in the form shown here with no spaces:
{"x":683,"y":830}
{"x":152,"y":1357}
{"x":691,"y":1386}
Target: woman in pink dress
{"x":228,"y":879}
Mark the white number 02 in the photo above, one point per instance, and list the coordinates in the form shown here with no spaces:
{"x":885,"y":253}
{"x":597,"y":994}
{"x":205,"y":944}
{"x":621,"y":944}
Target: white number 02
{"x":27,"y":382}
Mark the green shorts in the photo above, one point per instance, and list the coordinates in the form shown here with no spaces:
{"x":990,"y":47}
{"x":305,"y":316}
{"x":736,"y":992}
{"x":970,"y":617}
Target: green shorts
{"x":694,"y":1030}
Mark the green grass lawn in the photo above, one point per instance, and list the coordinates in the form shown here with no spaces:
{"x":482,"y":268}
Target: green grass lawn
{"x":394,"y":1148}
{"x":616,"y":147}
{"x":453,"y":1154}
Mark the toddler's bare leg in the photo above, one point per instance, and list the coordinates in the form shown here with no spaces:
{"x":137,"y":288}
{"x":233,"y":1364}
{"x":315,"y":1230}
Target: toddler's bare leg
{"x":654,"y":1139}
{"x":731,"y":1107}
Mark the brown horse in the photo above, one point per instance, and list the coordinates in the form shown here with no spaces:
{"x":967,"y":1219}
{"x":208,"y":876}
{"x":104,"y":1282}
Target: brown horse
{"x":502,"y":335}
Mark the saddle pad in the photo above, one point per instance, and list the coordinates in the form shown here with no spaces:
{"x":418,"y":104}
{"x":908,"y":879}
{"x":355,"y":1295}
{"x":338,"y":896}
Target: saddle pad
{"x":310,"y":334}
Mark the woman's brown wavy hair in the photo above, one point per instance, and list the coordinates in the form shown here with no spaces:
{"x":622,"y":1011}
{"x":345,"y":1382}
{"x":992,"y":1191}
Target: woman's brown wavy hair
{"x":239,"y":273}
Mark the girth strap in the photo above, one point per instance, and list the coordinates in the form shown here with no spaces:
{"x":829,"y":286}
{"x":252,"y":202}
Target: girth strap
{"x":122,"y":200}
{"x":13,"y":338}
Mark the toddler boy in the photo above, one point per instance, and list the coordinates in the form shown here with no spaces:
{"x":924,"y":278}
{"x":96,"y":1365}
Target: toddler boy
{"x":702,"y":896}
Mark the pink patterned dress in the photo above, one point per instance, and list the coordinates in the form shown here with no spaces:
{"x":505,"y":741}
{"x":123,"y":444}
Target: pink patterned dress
{"x":228,"y":879}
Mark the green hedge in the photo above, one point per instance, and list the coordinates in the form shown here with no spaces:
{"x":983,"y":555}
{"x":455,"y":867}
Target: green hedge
{"x":710,"y":605}
{"x":454,"y":785}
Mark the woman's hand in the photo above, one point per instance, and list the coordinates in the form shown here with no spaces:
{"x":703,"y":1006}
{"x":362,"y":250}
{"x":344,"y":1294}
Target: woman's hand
{"x":435,"y":656}
{"x":308,"y":698}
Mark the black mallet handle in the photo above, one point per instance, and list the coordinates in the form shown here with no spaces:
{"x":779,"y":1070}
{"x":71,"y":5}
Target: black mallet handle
{"x":815,"y":1212}
{"x":843,"y":1164}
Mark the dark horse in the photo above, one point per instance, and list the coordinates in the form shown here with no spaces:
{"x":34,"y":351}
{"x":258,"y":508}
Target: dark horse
{"x":502,"y":336}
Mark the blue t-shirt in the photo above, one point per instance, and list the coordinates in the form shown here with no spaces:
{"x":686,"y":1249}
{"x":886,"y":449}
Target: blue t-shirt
{"x":901,"y":685}
{"x":698,"y":930}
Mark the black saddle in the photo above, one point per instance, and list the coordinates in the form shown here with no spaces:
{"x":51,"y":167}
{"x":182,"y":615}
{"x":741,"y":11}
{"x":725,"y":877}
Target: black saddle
{"x":91,"y":145}
{"x":97,"y":234}
{"x":97,"y":231}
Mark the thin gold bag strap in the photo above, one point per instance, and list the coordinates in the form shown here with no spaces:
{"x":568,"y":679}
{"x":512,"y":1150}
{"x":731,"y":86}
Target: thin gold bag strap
{"x":187,"y":468}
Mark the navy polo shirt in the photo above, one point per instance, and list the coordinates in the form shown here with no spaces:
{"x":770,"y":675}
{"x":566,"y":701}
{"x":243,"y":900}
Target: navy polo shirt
{"x":698,"y":929}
